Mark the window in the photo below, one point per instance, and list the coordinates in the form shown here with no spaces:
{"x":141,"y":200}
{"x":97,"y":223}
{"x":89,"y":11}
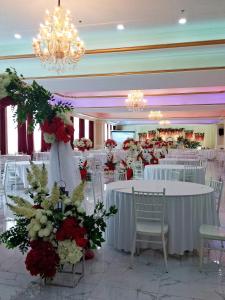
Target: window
{"x":12,"y":132}
{"x":76,"y":128}
{"x":37,"y":139}
{"x":86,"y":127}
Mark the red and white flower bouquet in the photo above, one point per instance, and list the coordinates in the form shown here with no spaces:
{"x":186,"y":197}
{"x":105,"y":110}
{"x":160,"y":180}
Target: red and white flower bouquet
{"x":83,"y":144}
{"x":110,"y":144}
{"x":53,"y":228}
{"x":83,"y":166}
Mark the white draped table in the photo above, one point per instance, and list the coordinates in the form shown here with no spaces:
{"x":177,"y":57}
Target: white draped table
{"x":21,"y":169}
{"x":188,"y":205}
{"x":179,"y":161}
{"x":165,"y":172}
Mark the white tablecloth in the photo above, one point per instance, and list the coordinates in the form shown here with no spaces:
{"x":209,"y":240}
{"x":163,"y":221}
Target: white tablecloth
{"x":179,"y":161}
{"x":21,"y":168}
{"x":188,"y":206}
{"x":165,"y":172}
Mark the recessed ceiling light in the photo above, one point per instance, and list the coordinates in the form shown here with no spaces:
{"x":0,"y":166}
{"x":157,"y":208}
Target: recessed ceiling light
{"x":120,"y":27}
{"x":182,"y":21}
{"x":17,"y":36}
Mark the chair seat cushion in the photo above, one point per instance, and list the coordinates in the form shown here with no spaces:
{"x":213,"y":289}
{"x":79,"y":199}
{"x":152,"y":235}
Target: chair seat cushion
{"x":153,"y":228}
{"x":212,"y":232}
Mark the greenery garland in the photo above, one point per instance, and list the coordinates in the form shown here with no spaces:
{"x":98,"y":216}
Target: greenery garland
{"x":30,"y":100}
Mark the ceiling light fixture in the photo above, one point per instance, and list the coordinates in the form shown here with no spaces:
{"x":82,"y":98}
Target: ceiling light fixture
{"x":120,"y":27}
{"x":155,"y":115}
{"x":17,"y":36}
{"x":58,"y":44}
{"x":164,"y":122}
{"x":182,"y":19}
{"x":136,"y":101}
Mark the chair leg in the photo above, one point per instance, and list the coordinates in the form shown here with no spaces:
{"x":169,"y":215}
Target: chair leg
{"x":165,"y":252}
{"x":132,"y":252}
{"x":201,"y":253}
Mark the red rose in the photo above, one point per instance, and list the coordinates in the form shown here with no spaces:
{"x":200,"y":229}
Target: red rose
{"x":42,"y":259}
{"x":129,"y":173}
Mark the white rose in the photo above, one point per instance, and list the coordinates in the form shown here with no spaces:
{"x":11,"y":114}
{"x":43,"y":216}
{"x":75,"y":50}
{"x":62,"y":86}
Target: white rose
{"x":36,"y":227}
{"x":46,"y":232}
{"x":43,"y":219}
{"x":41,"y":233}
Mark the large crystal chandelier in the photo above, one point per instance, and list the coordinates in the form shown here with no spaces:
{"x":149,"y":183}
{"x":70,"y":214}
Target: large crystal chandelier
{"x":155,"y":115}
{"x":136,"y":101}
{"x":58,"y":45}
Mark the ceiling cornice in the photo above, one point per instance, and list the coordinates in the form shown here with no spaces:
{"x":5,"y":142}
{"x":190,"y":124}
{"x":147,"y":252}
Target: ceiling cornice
{"x":215,"y":68}
{"x":131,"y":49}
{"x":145,"y":94}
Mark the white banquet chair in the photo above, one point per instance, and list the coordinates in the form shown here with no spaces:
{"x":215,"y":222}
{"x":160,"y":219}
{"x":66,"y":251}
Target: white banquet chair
{"x":218,"y":189}
{"x":120,"y":174}
{"x":212,"y":232}
{"x":149,"y":211}
{"x":190,"y":173}
{"x":138,"y":172}
{"x":175,"y":175}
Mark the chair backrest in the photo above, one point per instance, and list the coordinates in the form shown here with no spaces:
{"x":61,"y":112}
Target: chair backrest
{"x":97,"y":186}
{"x":190,"y":173}
{"x":138,"y":172}
{"x":149,"y":206}
{"x":218,"y":189}
{"x":175,"y":175}
{"x":120,"y":174}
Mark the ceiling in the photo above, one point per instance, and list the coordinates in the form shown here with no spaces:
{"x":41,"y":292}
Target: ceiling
{"x":180,"y":68}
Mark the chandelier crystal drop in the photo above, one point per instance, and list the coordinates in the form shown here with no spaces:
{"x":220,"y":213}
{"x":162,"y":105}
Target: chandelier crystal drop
{"x":136,"y":101}
{"x":155,"y":114}
{"x":58,"y":45}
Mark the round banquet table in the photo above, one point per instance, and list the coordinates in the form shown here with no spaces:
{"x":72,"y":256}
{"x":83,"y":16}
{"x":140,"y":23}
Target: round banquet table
{"x":165,"y":172}
{"x":179,"y":161}
{"x":21,"y":168}
{"x":188,"y":205}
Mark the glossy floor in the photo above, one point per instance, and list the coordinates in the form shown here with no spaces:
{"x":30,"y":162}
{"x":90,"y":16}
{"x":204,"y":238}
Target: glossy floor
{"x":108,"y":276}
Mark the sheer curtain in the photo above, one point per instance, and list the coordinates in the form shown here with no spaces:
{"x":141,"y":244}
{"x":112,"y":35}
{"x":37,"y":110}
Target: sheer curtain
{"x":12,"y":132}
{"x":86,"y":128}
{"x":37,"y":139}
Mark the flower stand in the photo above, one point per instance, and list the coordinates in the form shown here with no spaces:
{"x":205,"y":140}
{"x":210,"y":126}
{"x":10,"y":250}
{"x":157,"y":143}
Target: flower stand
{"x":68,"y":275}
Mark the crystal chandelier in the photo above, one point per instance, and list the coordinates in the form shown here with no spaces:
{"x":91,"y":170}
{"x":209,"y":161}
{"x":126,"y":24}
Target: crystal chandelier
{"x":58,"y":44}
{"x":164,"y":122}
{"x":136,"y":101}
{"x":155,"y":115}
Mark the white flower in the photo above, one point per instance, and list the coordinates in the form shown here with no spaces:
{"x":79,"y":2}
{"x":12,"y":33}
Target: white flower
{"x":49,"y":138}
{"x":69,"y":252}
{"x":80,"y":209}
{"x":39,"y":214}
{"x":41,"y":233}
{"x":43,"y":219}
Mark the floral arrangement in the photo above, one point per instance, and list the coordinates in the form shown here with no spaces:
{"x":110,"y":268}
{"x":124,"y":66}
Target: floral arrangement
{"x":57,"y":129}
{"x":199,"y":136}
{"x":83,"y":144}
{"x":142,"y":136}
{"x":147,"y":144}
{"x":83,"y":167}
{"x":172,"y":131}
{"x":144,"y":156}
{"x":151,"y":134}
{"x":110,"y":143}
{"x":132,"y":145}
{"x":154,"y":160}
{"x":110,"y":165}
{"x":54,"y":229}
{"x":188,"y":134}
{"x":127,"y":165}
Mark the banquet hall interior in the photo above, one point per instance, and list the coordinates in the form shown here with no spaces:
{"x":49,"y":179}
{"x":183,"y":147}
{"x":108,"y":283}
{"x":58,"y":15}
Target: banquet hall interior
{"x":112,"y":149}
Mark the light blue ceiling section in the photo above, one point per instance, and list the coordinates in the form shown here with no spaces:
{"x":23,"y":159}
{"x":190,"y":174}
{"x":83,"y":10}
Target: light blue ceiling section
{"x":109,"y":37}
{"x":179,"y":58}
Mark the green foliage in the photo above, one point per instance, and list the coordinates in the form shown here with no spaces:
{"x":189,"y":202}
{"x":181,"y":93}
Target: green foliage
{"x":96,"y":224}
{"x":32,"y":100}
{"x":17,"y":236}
{"x":188,"y":143}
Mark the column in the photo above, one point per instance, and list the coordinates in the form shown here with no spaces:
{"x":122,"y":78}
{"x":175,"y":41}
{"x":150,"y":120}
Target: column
{"x":99,"y":132}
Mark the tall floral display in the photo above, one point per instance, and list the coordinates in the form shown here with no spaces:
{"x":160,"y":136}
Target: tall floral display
{"x":54,"y":230}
